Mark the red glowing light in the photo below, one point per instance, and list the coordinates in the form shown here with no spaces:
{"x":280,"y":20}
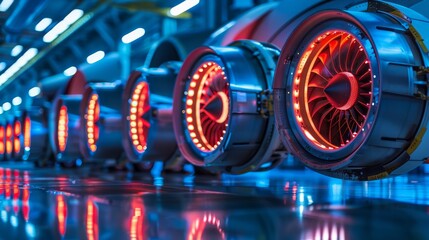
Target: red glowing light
{"x":17,"y":136}
{"x":62,"y":131}
{"x":27,"y":133}
{"x":15,"y":192}
{"x":137,"y":221}
{"x":139,"y":125}
{"x":2,"y":140}
{"x":26,"y":203}
{"x":9,"y":138}
{"x":7,"y":183}
{"x":207,"y":106}
{"x":91,"y":221}
{"x":92,"y":118}
{"x":201,"y":224}
{"x":332,"y":90}
{"x":26,"y":197}
{"x":61,"y":214}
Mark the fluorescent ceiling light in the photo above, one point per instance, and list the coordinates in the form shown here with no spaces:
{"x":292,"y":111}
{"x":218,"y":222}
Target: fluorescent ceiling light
{"x":16,"y":101}
{"x":14,"y":68}
{"x":183,"y":7}
{"x":133,"y":35}
{"x":16,"y":50}
{"x":7,"y":106}
{"x":43,"y":24}
{"x":70,"y":71}
{"x":5,"y":4}
{"x":2,"y":66}
{"x":95,"y":57}
{"x":73,"y":16}
{"x":63,"y":25}
{"x":34,"y":91}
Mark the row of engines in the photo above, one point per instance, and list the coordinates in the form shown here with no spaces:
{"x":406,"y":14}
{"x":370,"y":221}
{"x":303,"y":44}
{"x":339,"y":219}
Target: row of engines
{"x":347,"y":95}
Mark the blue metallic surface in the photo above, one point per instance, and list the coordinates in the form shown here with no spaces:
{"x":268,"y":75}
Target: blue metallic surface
{"x":292,"y":204}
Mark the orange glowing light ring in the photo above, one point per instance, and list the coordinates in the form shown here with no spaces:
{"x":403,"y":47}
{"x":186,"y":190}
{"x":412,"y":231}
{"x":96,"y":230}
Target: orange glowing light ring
{"x":27,"y":133}
{"x":9,"y":139}
{"x":332,"y":90}
{"x":92,"y":221}
{"x":2,"y":140}
{"x":138,"y":124}
{"x":208,"y":84}
{"x":92,"y":117}
{"x":62,"y":128}
{"x":199,"y":225}
{"x":17,"y":136}
{"x":61,"y":214}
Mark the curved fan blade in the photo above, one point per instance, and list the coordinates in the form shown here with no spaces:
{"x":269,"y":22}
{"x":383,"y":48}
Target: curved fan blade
{"x":338,"y":90}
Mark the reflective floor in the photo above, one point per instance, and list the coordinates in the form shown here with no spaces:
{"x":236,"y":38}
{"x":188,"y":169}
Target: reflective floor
{"x":295,"y":204}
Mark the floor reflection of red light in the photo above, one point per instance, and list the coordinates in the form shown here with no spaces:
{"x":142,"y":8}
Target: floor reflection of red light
{"x":25,"y":203}
{"x":7,"y":183}
{"x":200,"y":224}
{"x":16,"y":191}
{"x":326,"y":231}
{"x":61,"y":214}
{"x":92,"y":221}
{"x":2,"y":180}
{"x":137,"y":221}
{"x":26,"y":197}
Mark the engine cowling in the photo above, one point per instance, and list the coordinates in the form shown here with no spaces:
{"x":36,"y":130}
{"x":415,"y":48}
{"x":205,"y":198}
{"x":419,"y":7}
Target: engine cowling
{"x":222,"y":117}
{"x":348,"y":91}
{"x":147,"y":115}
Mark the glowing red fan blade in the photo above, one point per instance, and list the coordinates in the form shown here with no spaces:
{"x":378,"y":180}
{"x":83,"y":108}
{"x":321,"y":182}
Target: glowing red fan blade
{"x":333,"y":94}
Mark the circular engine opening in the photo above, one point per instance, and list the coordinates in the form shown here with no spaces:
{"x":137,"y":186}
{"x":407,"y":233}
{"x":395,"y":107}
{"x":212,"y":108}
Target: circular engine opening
{"x":139,"y":110}
{"x":92,"y":118}
{"x":207,"y":105}
{"x":62,"y":128}
{"x":332,"y":89}
{"x":16,"y":136}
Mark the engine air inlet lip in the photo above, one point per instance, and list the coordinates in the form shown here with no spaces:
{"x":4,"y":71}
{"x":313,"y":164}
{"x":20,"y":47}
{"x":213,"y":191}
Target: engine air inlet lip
{"x":207,"y":106}
{"x":92,"y":118}
{"x":27,"y":133}
{"x":139,"y":124}
{"x":17,"y":136}
{"x":62,"y":132}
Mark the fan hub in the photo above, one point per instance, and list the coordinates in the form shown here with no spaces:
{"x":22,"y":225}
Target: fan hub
{"x":217,"y":107}
{"x":342,"y":91}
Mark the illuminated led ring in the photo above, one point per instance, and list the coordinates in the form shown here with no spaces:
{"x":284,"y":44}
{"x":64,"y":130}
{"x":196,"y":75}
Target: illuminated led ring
{"x":139,"y":124}
{"x":67,"y":130}
{"x":62,"y":128}
{"x":219,"y":108}
{"x":17,"y":138}
{"x":147,"y":115}
{"x":35,"y":134}
{"x":207,"y":106}
{"x":9,"y":141}
{"x":328,"y":100}
{"x":92,"y":117}
{"x":27,"y":133}
{"x":2,"y":142}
